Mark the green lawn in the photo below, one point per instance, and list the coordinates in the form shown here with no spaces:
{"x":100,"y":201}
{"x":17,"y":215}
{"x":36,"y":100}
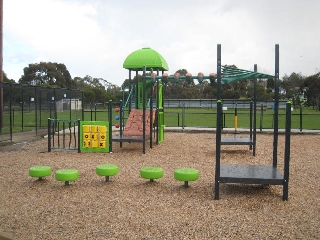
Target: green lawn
{"x":196,"y":117}
{"x":192,"y":117}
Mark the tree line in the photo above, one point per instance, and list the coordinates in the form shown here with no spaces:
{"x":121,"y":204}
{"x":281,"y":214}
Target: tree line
{"x":295,"y":87}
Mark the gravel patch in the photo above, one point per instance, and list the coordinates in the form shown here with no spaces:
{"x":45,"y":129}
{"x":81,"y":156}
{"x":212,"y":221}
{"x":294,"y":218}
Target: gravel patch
{"x":129,"y":207}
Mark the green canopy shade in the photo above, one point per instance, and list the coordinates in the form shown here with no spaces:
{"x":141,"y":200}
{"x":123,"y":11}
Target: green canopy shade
{"x":145,"y":57}
{"x":232,"y":74}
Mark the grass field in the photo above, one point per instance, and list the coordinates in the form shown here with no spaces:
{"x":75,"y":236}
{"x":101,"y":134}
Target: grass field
{"x":174,"y":117}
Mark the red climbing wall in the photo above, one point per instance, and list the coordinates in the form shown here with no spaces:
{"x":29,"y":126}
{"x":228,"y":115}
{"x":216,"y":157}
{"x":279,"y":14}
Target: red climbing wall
{"x":134,"y":126}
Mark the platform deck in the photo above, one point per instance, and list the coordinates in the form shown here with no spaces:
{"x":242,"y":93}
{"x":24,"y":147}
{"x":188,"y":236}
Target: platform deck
{"x":250,"y":174}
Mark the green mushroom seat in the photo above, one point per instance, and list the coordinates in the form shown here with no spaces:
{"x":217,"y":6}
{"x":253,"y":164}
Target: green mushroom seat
{"x":186,"y":175}
{"x":107,"y":170}
{"x":66,"y":175}
{"x":151,"y":173}
{"x":40,"y":171}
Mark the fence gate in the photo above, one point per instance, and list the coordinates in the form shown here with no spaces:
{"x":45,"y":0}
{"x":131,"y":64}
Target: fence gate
{"x":63,"y":134}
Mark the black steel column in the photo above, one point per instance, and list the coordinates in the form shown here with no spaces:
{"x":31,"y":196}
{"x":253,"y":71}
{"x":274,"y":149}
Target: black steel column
{"x":79,"y":143}
{"x":276,"y":107}
{"x":255,"y":112}
{"x":49,"y":135}
{"x":121,"y":121}
{"x":110,"y":124}
{"x":287,"y":152}
{"x":82,"y":105}
{"x":35,"y":108}
{"x":130,"y":93}
{"x":10,"y":112}
{"x":144,"y":96}
{"x":218,"y":124}
{"x":218,"y":149}
{"x":22,"y":110}
{"x":219,"y":72}
{"x":300,"y":117}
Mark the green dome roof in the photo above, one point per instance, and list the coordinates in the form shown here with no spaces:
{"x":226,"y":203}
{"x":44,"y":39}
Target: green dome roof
{"x":145,"y":57}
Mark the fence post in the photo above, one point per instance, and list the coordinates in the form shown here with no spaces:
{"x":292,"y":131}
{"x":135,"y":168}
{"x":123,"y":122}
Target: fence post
{"x":110,"y":125}
{"x":91,"y":113}
{"x":79,"y":150}
{"x":261,"y":117}
{"x":49,"y":135}
{"x":300,"y":117}
{"x":183,"y":114}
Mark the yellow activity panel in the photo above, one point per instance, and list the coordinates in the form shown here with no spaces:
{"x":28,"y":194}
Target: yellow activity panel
{"x":94,"y":136}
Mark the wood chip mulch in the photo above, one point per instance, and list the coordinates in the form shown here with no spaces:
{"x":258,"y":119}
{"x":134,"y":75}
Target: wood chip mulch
{"x":129,"y":207}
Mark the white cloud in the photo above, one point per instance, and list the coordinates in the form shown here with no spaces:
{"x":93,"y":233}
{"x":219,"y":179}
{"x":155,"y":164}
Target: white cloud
{"x":94,"y":37}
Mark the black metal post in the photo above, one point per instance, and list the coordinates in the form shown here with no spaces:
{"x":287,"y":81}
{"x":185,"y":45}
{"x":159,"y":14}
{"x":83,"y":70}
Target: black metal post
{"x":300,"y":118}
{"x":110,"y":124}
{"x":35,"y":108}
{"x":183,"y":114}
{"x":276,"y":108}
{"x":49,"y":135}
{"x":10,"y":112}
{"x":82,"y":105}
{"x":287,"y":152}
{"x":79,"y":150}
{"x":250,"y":120}
{"x":218,"y":149}
{"x":121,"y":121}
{"x":218,"y":128}
{"x":70,"y":109}
{"x":144,"y":96}
{"x":91,"y":113}
{"x":95,"y":111}
{"x":55,"y":105}
{"x":219,"y":72}
{"x":255,"y":113}
{"x":236,"y":118}
{"x":261,"y":117}
{"x":40,"y":109}
{"x":22,"y":113}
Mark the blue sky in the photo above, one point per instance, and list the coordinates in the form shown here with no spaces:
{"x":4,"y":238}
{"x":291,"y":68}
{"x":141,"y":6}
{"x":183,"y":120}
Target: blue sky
{"x":93,"y":37}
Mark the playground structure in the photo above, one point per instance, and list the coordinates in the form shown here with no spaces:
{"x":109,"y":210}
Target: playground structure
{"x":251,"y":174}
{"x":143,"y":120}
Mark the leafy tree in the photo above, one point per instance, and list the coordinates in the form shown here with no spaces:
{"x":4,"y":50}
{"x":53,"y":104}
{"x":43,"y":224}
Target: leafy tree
{"x":47,"y":73}
{"x":262,"y":94}
{"x":97,"y":90}
{"x":292,"y":84}
{"x":6,"y":79}
{"x":311,"y":86}
{"x":270,"y":83}
{"x":209,"y":91}
{"x":14,"y":93}
{"x":178,"y":90}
